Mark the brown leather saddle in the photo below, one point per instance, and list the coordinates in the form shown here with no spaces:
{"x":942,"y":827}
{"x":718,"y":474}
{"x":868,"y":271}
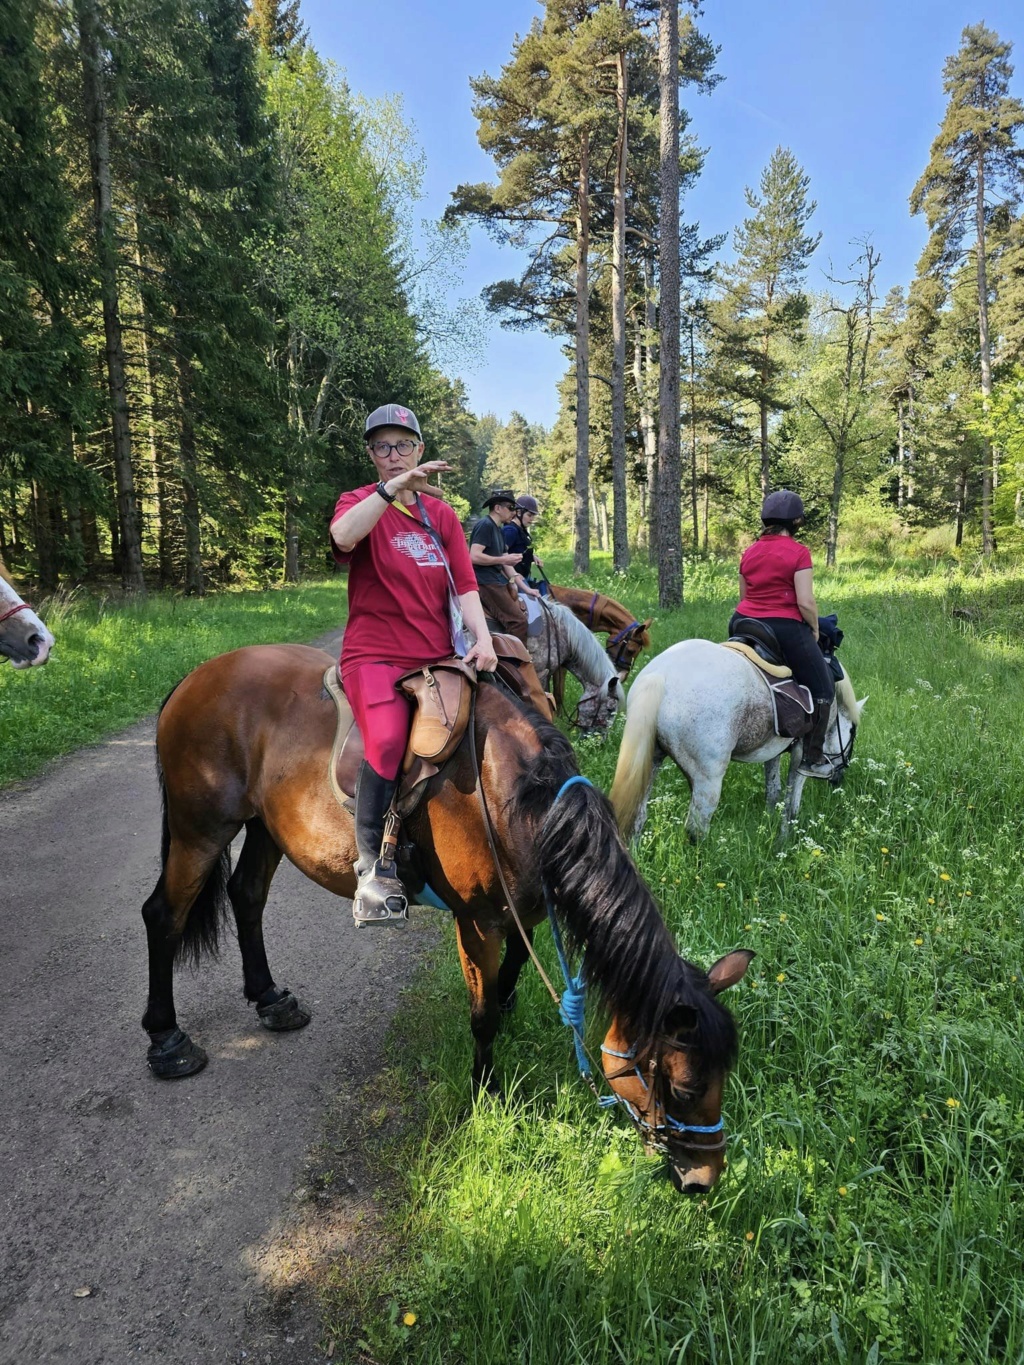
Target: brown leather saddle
{"x":792,"y":704}
{"x":442,"y":694}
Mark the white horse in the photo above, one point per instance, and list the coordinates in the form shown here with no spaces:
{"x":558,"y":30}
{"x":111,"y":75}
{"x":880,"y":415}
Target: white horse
{"x":23,"y":637}
{"x":565,"y":642}
{"x":705,"y":706}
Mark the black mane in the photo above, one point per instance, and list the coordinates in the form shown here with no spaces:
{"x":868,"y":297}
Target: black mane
{"x":607,"y":910}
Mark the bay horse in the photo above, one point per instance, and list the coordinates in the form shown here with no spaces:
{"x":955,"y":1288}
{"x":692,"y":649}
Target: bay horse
{"x":243,"y":743}
{"x":627,"y":637}
{"x":704,"y":707}
{"x":24,"y":638}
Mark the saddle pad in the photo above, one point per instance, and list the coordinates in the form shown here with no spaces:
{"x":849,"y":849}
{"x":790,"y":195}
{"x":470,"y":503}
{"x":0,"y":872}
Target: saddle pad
{"x":793,"y":707}
{"x":773,"y":670}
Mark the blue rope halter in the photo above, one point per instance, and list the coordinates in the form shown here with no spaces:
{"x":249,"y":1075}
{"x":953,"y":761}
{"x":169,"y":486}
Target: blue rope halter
{"x":571,"y":1009}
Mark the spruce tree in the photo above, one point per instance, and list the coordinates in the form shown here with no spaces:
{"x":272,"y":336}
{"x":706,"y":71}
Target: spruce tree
{"x":975,"y":170}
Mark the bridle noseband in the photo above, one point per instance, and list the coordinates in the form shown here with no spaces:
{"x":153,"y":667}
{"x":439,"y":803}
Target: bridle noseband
{"x":22,"y":606}
{"x":670,"y":1133}
{"x":623,"y":638}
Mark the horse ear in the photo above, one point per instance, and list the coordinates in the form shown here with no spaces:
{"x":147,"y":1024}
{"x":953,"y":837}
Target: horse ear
{"x":730,"y":969}
{"x":861,"y":704}
{"x":679,"y":1019}
{"x":648,"y":623}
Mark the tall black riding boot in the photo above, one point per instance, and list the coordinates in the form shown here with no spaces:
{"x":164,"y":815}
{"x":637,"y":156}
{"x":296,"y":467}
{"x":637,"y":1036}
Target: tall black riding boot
{"x":380,"y":896}
{"x":814,"y":763}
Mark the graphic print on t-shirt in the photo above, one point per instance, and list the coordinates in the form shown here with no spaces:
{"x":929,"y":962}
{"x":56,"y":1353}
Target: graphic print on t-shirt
{"x":418,"y":548}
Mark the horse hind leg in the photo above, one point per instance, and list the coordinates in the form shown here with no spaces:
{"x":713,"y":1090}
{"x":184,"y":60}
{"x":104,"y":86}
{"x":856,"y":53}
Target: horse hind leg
{"x":705,"y":794}
{"x":276,"y":1007}
{"x":182,"y":918}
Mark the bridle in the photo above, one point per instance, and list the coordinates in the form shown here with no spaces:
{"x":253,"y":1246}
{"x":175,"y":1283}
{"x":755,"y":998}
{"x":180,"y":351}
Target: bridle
{"x":620,"y":659}
{"x":663,"y":1137}
{"x":22,"y":606}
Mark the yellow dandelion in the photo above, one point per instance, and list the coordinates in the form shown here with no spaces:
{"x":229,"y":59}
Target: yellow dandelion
{"x":880,"y":918}
{"x":750,"y":1236}
{"x":943,"y":876}
{"x":951,"y":1103}
{"x":884,"y":849}
{"x":816,"y":853}
{"x":410,"y":1319}
{"x":781,"y":976}
{"x":931,"y":900}
{"x":843,"y":1190}
{"x":851,"y":1139}
{"x":748,"y":927}
{"x":783,"y":918}
{"x":968,"y":893}
{"x":1014,"y":977}
{"x":754,"y":985}
{"x":918,"y":942}
{"x":720,"y":885}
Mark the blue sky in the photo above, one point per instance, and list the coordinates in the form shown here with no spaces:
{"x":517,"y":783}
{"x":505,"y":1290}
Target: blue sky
{"x":854,"y":91}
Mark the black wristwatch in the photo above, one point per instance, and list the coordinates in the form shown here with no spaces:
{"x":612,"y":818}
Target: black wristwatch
{"x":388,"y":497}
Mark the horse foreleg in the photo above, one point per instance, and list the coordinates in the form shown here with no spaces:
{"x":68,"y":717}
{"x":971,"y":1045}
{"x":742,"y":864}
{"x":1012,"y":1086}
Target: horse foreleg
{"x":516,"y":955}
{"x":277,"y":1008}
{"x":794,"y":791}
{"x":773,"y":782}
{"x":479,"y":952}
{"x":191,"y":884}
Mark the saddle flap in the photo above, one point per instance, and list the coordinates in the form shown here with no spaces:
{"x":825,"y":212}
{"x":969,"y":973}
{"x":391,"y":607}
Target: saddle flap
{"x":442,"y":693}
{"x":515,"y":669}
{"x":794,"y":708}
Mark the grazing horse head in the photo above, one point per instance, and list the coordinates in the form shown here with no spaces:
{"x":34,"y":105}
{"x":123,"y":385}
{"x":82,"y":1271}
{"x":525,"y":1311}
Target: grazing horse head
{"x":627,"y":637}
{"x":566,"y":643}
{"x":842,"y":730}
{"x":23,"y":637}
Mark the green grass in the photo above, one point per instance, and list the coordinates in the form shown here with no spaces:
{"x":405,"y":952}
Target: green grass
{"x":114,"y":662}
{"x":872,"y":1209}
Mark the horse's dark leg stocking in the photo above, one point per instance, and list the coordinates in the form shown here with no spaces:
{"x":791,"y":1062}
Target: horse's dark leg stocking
{"x":248,"y":888}
{"x":516,"y":956}
{"x":189,"y":876}
{"x":479,"y":952}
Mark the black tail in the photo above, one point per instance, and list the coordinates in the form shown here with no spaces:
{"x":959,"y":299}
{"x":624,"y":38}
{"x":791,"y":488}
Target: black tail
{"x":608,"y":912}
{"x":201,"y":935}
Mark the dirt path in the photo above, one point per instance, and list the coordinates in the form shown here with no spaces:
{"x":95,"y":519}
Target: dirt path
{"x":178,"y":1205}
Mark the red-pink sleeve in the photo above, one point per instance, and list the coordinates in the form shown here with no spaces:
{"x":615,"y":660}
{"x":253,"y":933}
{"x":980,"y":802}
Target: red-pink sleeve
{"x":343,"y":505}
{"x":803,"y":558}
{"x":458,"y":553}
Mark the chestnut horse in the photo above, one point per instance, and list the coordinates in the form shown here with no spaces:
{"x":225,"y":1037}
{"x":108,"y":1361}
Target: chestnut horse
{"x":243,"y":742}
{"x":627,"y":637}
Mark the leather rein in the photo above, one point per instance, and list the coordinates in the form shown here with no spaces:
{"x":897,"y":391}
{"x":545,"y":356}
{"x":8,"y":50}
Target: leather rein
{"x":663,"y":1137}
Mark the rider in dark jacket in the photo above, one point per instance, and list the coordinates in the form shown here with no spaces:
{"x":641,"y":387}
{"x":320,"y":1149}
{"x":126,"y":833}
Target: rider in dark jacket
{"x":519,"y":541}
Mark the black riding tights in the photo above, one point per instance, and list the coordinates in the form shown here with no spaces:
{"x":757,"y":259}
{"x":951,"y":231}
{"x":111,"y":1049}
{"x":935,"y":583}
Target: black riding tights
{"x":800,"y":650}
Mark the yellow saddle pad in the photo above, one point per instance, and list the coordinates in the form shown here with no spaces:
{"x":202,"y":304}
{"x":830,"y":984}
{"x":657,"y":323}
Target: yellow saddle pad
{"x":773,"y":670}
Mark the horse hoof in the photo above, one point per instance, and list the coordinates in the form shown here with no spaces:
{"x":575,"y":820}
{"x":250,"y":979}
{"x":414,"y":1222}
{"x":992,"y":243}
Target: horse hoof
{"x":507,"y":1005}
{"x":176,"y":1056}
{"x":283,"y":1015}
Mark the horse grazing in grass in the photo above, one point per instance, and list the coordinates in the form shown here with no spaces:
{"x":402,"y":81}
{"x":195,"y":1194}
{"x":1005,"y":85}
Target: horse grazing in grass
{"x":565,"y":644}
{"x":243,"y":743}
{"x":627,"y":637}
{"x":705,"y":707}
{"x":23,"y":637}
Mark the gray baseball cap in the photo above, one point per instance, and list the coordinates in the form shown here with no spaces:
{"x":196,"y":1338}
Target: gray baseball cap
{"x":392,"y":415}
{"x":782,"y":505}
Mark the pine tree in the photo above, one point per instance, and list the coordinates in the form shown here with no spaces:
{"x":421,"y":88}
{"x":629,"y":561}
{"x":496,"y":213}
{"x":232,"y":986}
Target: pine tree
{"x":765,"y":306}
{"x":975,"y":169}
{"x":276,"y":26}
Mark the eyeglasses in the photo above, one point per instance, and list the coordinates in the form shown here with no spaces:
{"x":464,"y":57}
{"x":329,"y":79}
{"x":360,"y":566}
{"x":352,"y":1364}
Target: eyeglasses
{"x":382,"y":449}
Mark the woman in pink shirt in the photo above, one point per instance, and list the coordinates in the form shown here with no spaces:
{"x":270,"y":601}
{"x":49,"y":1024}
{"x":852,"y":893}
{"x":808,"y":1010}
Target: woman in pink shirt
{"x":776,"y":587}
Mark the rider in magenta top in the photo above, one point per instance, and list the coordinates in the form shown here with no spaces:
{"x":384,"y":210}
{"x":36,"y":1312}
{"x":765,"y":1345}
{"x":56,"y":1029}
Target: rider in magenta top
{"x":400,"y":542}
{"x":776,"y":587}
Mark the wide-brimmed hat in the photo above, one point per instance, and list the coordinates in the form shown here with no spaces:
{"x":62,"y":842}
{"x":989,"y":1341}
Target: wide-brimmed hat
{"x":528,"y":503}
{"x":782,"y":505}
{"x":501,"y":495}
{"x":391,"y":415}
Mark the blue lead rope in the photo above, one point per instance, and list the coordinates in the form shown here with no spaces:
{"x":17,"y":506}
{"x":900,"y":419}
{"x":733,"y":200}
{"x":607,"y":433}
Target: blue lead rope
{"x":574,"y":997}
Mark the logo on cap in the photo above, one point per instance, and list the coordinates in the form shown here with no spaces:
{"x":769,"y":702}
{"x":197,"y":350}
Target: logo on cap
{"x":402,"y":415}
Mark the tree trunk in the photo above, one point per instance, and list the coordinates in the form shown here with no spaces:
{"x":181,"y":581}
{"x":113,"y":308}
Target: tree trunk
{"x":46,"y":559}
{"x":648,"y":426}
{"x":620,"y":535}
{"x":988,"y":539}
{"x":581,"y":558}
{"x":670,"y":565}
{"x":195,"y":583}
{"x":834,"y":505}
{"x":961,"y":504}
{"x":693,"y":443}
{"x":98,"y":132}
{"x":900,"y":453}
{"x":706,"y":511}
{"x":291,"y":542}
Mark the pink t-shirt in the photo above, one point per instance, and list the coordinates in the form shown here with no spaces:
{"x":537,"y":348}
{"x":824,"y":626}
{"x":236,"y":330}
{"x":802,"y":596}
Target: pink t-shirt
{"x":768,"y":567}
{"x":397,"y":585}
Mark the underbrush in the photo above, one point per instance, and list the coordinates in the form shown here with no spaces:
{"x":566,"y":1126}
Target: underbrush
{"x":115,"y":661}
{"x":872,"y":1206}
